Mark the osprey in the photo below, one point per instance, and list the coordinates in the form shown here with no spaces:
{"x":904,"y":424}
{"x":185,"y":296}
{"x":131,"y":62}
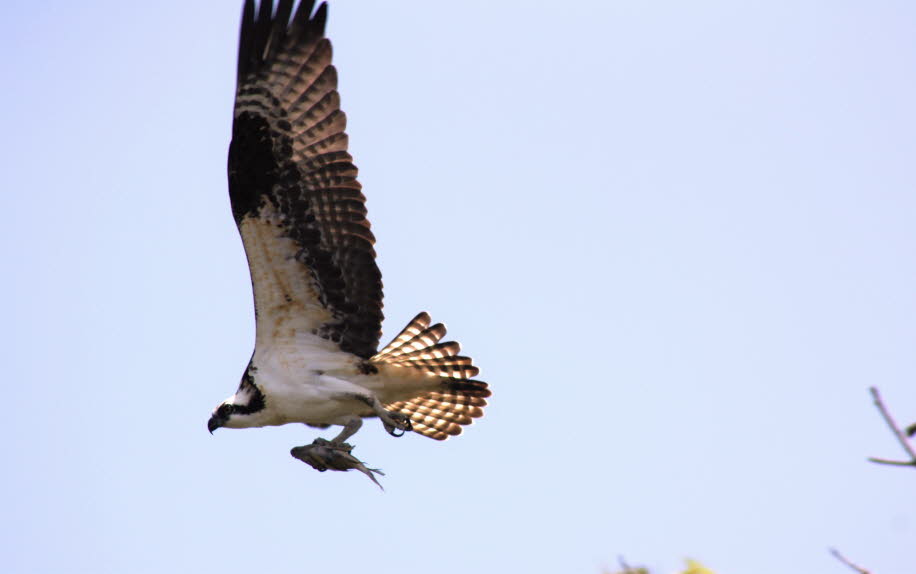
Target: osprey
{"x":317,"y":288}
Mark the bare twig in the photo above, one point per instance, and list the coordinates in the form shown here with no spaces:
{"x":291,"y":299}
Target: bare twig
{"x":627,"y":569}
{"x":846,"y":561}
{"x":891,"y":462}
{"x":897,"y":433}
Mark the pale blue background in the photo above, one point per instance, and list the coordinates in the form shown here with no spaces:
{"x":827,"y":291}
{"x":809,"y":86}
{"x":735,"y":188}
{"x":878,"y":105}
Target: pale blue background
{"x":678,"y":238}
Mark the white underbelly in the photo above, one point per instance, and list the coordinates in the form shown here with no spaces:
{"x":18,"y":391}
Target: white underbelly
{"x":308,"y":384}
{"x":309,"y":380}
{"x":314,"y":401}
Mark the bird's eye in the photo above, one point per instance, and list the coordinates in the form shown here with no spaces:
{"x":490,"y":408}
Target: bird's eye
{"x":224,"y":411}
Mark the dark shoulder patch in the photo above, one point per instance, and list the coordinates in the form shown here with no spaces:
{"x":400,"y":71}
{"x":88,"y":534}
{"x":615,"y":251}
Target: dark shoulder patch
{"x":257,"y":397}
{"x":367,"y":368}
{"x":253,"y":166}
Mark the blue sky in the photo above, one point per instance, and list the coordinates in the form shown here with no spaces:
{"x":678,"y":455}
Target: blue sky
{"x":677,"y":238}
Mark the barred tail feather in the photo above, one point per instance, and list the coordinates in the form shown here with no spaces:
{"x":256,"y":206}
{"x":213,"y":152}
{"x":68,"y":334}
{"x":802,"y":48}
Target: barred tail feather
{"x":416,"y":326}
{"x":442,"y":413}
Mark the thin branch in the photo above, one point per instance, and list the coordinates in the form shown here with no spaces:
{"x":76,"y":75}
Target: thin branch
{"x":848,"y":562}
{"x":897,"y":433}
{"x":891,"y":462}
{"x":627,"y":569}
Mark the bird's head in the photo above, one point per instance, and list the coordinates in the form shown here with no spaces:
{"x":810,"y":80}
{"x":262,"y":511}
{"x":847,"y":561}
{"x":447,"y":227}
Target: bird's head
{"x":241,"y":410}
{"x":221,"y":415}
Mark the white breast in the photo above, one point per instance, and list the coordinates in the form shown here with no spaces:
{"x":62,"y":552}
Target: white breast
{"x":305,"y":380}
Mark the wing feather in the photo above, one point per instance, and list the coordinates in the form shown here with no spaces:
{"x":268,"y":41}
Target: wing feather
{"x":293,"y":186}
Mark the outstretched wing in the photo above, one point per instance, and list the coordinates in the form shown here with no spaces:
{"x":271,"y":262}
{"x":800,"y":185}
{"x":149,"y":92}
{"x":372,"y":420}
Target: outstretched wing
{"x":293,"y":185}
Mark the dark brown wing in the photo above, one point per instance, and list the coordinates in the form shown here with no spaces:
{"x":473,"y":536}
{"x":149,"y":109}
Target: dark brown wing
{"x":293,"y":185}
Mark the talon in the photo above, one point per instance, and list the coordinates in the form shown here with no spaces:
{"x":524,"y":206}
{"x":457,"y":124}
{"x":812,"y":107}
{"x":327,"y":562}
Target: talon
{"x":399,"y":422}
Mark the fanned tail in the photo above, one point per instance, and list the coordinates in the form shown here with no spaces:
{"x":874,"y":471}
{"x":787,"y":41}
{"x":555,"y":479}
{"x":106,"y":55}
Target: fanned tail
{"x":436,"y":414}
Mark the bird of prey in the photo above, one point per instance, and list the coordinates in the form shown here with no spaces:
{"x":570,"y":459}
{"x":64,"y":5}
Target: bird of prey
{"x":317,"y":289}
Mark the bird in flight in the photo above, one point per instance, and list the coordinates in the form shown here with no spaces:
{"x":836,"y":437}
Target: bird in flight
{"x":317,"y":289}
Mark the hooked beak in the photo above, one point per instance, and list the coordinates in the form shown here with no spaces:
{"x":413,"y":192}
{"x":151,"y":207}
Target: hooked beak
{"x":214,"y":423}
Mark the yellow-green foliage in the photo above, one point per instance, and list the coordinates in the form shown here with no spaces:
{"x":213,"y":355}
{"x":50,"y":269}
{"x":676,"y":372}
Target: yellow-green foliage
{"x":693,"y":567}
